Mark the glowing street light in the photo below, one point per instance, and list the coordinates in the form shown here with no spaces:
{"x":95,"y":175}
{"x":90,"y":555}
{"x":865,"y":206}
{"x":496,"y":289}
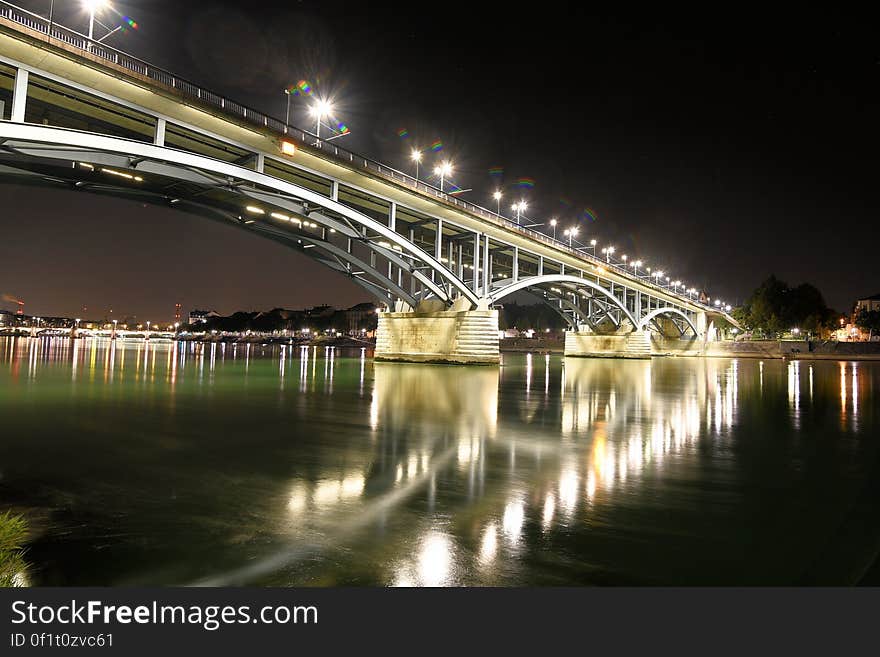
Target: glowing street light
{"x":635,"y":265}
{"x":553,"y":224}
{"x":571,"y":232}
{"x":94,"y":6}
{"x":519,"y":208}
{"x":416,"y":156}
{"x":608,"y":250}
{"x":497,"y":196}
{"x":319,"y":110}
{"x":443,"y":169}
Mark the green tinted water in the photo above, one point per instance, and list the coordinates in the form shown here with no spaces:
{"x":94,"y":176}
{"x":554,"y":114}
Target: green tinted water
{"x":181,"y":464}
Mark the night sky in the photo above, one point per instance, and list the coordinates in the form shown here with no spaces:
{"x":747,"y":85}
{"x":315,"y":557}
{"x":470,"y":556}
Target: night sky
{"x":720,"y":147}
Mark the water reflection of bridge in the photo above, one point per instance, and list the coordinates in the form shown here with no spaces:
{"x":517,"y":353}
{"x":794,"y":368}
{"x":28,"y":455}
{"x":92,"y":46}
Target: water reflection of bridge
{"x":454,"y":475}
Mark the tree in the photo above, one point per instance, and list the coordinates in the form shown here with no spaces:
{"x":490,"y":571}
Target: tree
{"x":869,"y":320}
{"x":774,"y":308}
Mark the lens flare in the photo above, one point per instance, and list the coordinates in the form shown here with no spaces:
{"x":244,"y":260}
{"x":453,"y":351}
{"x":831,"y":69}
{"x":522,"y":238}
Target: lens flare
{"x":342,"y":128}
{"x":437,"y":146}
{"x":301,"y":88}
{"x":524,"y":183}
{"x":128,"y":23}
{"x":496,"y":171}
{"x":590,"y":214}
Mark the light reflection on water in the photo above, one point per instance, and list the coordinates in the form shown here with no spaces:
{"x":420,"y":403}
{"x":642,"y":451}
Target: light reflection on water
{"x":216,"y":464}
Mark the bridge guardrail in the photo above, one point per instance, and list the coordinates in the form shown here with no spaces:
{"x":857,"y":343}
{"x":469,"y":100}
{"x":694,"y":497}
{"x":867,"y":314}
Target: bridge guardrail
{"x":72,"y":38}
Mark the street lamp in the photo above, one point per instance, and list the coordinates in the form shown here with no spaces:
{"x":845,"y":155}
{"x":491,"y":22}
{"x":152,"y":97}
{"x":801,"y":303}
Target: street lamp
{"x":94,"y":6}
{"x":553,"y":224}
{"x":608,"y":251}
{"x":571,"y":233}
{"x":519,"y":208}
{"x":593,"y":246}
{"x":635,"y":265}
{"x":497,"y":196}
{"x":443,"y":169}
{"x":287,"y":93}
{"x":416,"y":156}
{"x":320,"y":109}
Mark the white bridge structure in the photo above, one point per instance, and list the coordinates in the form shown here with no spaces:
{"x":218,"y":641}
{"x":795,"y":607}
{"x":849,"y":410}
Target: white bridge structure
{"x":79,"y":115}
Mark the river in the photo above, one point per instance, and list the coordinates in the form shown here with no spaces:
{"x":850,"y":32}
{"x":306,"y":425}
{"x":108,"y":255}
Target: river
{"x":170,"y":463}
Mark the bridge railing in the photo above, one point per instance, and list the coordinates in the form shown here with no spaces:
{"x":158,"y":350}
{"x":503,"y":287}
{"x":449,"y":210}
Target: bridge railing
{"x":53,"y":30}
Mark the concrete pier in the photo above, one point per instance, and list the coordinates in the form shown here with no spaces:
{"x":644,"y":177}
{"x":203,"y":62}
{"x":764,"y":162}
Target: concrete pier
{"x":466,"y":337}
{"x":636,"y":344}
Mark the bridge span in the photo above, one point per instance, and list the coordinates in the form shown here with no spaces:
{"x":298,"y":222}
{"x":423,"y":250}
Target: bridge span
{"x":76,"y":114}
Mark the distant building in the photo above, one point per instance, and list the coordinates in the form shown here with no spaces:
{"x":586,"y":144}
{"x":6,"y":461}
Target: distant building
{"x":868,"y":303}
{"x":361,"y":318}
{"x":7,"y":318}
{"x":201,"y":316}
{"x":851,"y":331}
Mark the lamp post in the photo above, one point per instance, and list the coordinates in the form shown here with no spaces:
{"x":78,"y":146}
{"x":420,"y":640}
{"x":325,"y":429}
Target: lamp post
{"x":593,"y":246}
{"x":497,"y":196}
{"x":443,"y":169}
{"x":553,"y":224}
{"x":416,"y":156}
{"x":571,"y":232}
{"x":608,"y":251}
{"x":320,"y":109}
{"x":288,"y":93}
{"x":93,"y":6}
{"x":635,"y":265}
{"x":518,"y":208}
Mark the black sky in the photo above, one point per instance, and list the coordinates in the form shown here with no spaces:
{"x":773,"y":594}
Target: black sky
{"x":721,"y":145}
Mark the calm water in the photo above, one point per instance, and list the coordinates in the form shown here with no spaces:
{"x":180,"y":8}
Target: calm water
{"x":189,"y":464}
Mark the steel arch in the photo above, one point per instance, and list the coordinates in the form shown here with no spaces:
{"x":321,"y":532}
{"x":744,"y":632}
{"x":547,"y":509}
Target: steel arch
{"x":73,"y":145}
{"x":667,"y":311}
{"x":537,"y":281}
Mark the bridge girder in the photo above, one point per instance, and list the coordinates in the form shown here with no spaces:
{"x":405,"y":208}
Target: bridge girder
{"x":575,"y":282}
{"x":671,"y":314}
{"x":53,"y":143}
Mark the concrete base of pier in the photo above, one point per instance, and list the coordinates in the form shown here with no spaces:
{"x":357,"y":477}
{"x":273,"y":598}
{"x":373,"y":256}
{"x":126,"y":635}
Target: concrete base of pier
{"x":631,"y":345}
{"x":465,"y":337}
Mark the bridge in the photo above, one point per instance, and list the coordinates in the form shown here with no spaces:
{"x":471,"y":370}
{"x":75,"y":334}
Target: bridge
{"x":79,"y":115}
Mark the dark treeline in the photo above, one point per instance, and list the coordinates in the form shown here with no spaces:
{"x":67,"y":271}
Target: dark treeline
{"x":775,"y":308}
{"x":529,"y":316}
{"x":320,"y":318}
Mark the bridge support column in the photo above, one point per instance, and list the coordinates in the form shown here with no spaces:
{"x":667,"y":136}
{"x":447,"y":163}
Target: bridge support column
{"x":19,"y":95}
{"x":464,"y":337}
{"x":636,"y":344}
{"x":702,"y":325}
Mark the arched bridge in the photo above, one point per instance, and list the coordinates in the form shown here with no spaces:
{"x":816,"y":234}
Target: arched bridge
{"x":81,"y":116}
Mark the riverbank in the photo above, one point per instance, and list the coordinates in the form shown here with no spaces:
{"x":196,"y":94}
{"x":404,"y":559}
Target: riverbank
{"x":762,"y":349}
